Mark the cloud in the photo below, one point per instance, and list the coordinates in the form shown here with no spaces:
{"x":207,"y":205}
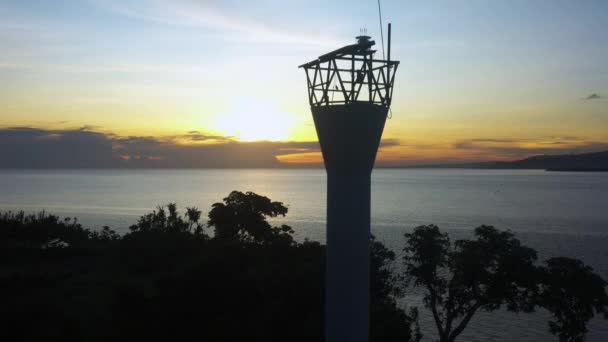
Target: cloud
{"x":25,"y":147}
{"x":85,"y":147}
{"x":28,"y":147}
{"x":389,"y":143}
{"x":475,"y":143}
{"x":511,"y":149}
{"x":12,"y":66}
{"x":214,"y":16}
{"x":124,"y":68}
{"x":593,"y":96}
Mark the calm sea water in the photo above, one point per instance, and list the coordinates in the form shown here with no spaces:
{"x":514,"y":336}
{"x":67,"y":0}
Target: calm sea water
{"x":560,"y":213}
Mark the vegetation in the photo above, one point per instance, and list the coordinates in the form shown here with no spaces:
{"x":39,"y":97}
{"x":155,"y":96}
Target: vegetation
{"x":574,"y":294}
{"x":169,"y":279}
{"x":494,"y":271}
{"x":237,"y":277}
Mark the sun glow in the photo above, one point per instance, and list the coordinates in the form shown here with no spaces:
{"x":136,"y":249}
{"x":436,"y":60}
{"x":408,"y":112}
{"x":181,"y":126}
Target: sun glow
{"x":252,"y":119}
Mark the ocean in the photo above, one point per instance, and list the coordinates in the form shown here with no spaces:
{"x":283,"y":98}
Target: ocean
{"x":557,"y":213}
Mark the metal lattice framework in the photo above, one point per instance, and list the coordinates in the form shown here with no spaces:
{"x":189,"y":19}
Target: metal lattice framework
{"x":350,"y":75}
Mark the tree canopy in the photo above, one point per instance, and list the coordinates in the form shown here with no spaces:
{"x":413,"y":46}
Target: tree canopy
{"x":574,"y":294}
{"x":243,"y":216}
{"x":169,"y":279}
{"x":494,"y":270}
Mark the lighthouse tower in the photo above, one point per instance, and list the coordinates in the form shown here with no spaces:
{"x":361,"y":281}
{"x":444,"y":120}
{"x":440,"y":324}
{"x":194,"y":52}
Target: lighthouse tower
{"x":350,"y":95}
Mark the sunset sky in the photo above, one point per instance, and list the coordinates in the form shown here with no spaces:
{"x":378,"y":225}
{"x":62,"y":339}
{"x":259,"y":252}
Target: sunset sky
{"x":478,"y":80}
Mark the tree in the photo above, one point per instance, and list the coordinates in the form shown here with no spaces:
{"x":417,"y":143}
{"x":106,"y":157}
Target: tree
{"x":48,"y":231}
{"x":159,"y":221}
{"x":482,"y":274}
{"x":388,"y":322}
{"x":496,"y":270}
{"x":164,"y":281}
{"x":243,"y":217}
{"x":573,"y":294}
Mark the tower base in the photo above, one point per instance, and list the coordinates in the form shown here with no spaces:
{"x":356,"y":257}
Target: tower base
{"x":347,"y":266}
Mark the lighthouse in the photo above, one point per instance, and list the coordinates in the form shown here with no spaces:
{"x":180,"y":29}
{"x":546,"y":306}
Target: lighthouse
{"x":349,"y":92}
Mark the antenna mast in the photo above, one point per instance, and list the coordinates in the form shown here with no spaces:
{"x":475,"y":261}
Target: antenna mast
{"x":381,"y":29}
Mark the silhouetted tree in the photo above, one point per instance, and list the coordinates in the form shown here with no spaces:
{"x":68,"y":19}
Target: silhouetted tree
{"x":495,"y":270}
{"x":159,"y":220}
{"x":42,"y":230}
{"x":167,"y":280}
{"x":388,"y":322}
{"x":481,"y":274}
{"x":105,"y":234}
{"x":573,"y":294}
{"x":243,"y":217}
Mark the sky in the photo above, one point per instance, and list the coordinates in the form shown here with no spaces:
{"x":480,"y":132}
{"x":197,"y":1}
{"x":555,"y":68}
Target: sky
{"x":188,"y":83}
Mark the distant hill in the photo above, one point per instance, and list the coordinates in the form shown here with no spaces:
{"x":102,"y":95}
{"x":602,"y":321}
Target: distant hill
{"x":597,"y":161}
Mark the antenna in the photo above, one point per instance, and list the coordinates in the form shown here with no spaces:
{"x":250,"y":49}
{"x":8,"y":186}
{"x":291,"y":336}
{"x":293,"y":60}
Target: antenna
{"x":389,"y":42}
{"x":388,"y":70}
{"x":381,"y":33}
